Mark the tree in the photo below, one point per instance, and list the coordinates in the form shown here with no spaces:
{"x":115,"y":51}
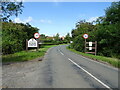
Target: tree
{"x":10,"y":9}
{"x":42,"y":36}
{"x":57,"y":37}
{"x":14,"y":36}
{"x":81,"y":28}
{"x":105,"y":32}
{"x":113,"y":13}
{"x":68,"y":38}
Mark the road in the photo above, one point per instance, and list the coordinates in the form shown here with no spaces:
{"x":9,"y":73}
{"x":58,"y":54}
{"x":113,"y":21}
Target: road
{"x":60,"y":68}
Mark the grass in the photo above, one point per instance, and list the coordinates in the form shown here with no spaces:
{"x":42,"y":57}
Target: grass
{"x":25,"y":56}
{"x":112,"y":61}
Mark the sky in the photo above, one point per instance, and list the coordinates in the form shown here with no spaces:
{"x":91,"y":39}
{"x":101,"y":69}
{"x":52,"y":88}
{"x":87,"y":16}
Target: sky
{"x":59,"y":17}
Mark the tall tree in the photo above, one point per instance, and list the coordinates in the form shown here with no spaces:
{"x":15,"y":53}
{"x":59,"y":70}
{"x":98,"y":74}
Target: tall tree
{"x":113,"y":13}
{"x":9,"y":9}
{"x":107,"y":33}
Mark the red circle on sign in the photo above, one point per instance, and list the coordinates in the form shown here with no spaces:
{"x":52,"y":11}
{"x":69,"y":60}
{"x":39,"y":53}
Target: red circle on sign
{"x":36,"y":35}
{"x":85,"y":36}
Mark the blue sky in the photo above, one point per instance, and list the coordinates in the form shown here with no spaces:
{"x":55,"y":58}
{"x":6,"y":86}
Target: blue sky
{"x":59,"y":17}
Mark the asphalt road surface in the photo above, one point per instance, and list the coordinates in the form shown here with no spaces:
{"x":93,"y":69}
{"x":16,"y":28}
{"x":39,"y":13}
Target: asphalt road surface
{"x":60,"y":68}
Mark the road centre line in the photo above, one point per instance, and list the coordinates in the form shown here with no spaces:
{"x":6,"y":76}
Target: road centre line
{"x":89,"y":74}
{"x":60,"y":52}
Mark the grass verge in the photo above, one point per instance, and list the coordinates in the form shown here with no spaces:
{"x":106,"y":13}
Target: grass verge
{"x":112,"y":61}
{"x":25,"y":56}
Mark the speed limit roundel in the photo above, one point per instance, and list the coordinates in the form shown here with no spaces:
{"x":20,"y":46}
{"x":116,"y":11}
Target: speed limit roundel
{"x":85,"y":36}
{"x":36,"y":35}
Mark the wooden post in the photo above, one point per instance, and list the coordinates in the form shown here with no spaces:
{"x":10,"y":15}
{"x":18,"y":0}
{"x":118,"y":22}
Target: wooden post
{"x":37,"y":45}
{"x":95,"y":48}
{"x":26,"y":44}
{"x":85,"y":45}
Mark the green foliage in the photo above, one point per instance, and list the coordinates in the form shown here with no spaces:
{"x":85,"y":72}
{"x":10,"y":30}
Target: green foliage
{"x":67,"y":38}
{"x":105,"y":32}
{"x":14,"y":36}
{"x":57,"y":39}
{"x":10,"y":8}
{"x":81,"y":28}
{"x":113,"y":13}
{"x":24,"y":56}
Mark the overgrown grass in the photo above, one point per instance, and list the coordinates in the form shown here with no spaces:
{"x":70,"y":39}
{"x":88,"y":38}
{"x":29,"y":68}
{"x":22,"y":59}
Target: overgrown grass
{"x":112,"y":61}
{"x":25,"y":56}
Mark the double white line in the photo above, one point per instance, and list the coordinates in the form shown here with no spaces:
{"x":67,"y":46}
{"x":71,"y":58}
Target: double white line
{"x":87,"y":72}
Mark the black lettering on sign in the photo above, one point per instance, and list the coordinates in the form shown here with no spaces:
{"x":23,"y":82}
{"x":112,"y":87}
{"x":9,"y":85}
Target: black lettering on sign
{"x":32,"y":43}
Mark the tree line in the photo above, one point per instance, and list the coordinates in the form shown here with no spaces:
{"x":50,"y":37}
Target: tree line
{"x":55,"y":40}
{"x":105,"y":30}
{"x":14,"y":36}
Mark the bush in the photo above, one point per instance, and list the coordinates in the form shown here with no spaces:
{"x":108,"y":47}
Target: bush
{"x":14,"y":37}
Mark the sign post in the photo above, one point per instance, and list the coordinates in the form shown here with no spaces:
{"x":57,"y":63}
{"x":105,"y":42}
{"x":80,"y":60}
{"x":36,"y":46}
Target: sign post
{"x":85,"y":36}
{"x":95,"y":48}
{"x":26,"y":44}
{"x":32,"y":42}
{"x":91,"y":48}
{"x":37,"y":35}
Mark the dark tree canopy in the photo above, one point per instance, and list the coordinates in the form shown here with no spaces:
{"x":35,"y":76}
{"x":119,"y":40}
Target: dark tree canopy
{"x":10,"y":8}
{"x":113,"y":13}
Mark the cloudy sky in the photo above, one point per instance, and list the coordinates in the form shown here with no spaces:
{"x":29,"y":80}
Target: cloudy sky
{"x":59,"y":17}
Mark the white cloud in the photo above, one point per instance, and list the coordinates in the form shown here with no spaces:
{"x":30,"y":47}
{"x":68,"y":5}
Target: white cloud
{"x":92,"y":19}
{"x":18,"y":20}
{"x":45,"y":21}
{"x":29,"y":19}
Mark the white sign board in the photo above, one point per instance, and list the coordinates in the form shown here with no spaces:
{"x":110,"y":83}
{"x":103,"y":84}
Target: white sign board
{"x":71,"y":41}
{"x":90,"y":43}
{"x":90,"y":48}
{"x":32,"y":43}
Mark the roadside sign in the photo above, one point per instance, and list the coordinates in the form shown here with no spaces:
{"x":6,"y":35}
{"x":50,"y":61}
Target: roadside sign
{"x":90,"y":43}
{"x":90,"y":48}
{"x":85,"y":36}
{"x":71,"y":41}
{"x":36,"y":35}
{"x":32,"y":43}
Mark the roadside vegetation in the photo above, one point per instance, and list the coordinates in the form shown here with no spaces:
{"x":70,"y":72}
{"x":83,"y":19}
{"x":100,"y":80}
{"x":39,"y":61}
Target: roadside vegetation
{"x":14,"y":36}
{"x":111,"y":61}
{"x":105,"y":30}
{"x":26,"y":55}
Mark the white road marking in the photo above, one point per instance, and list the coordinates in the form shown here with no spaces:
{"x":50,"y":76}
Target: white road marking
{"x":97,"y":62}
{"x":87,"y":71}
{"x":18,"y":72}
{"x":89,"y":74}
{"x":61,"y":53}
